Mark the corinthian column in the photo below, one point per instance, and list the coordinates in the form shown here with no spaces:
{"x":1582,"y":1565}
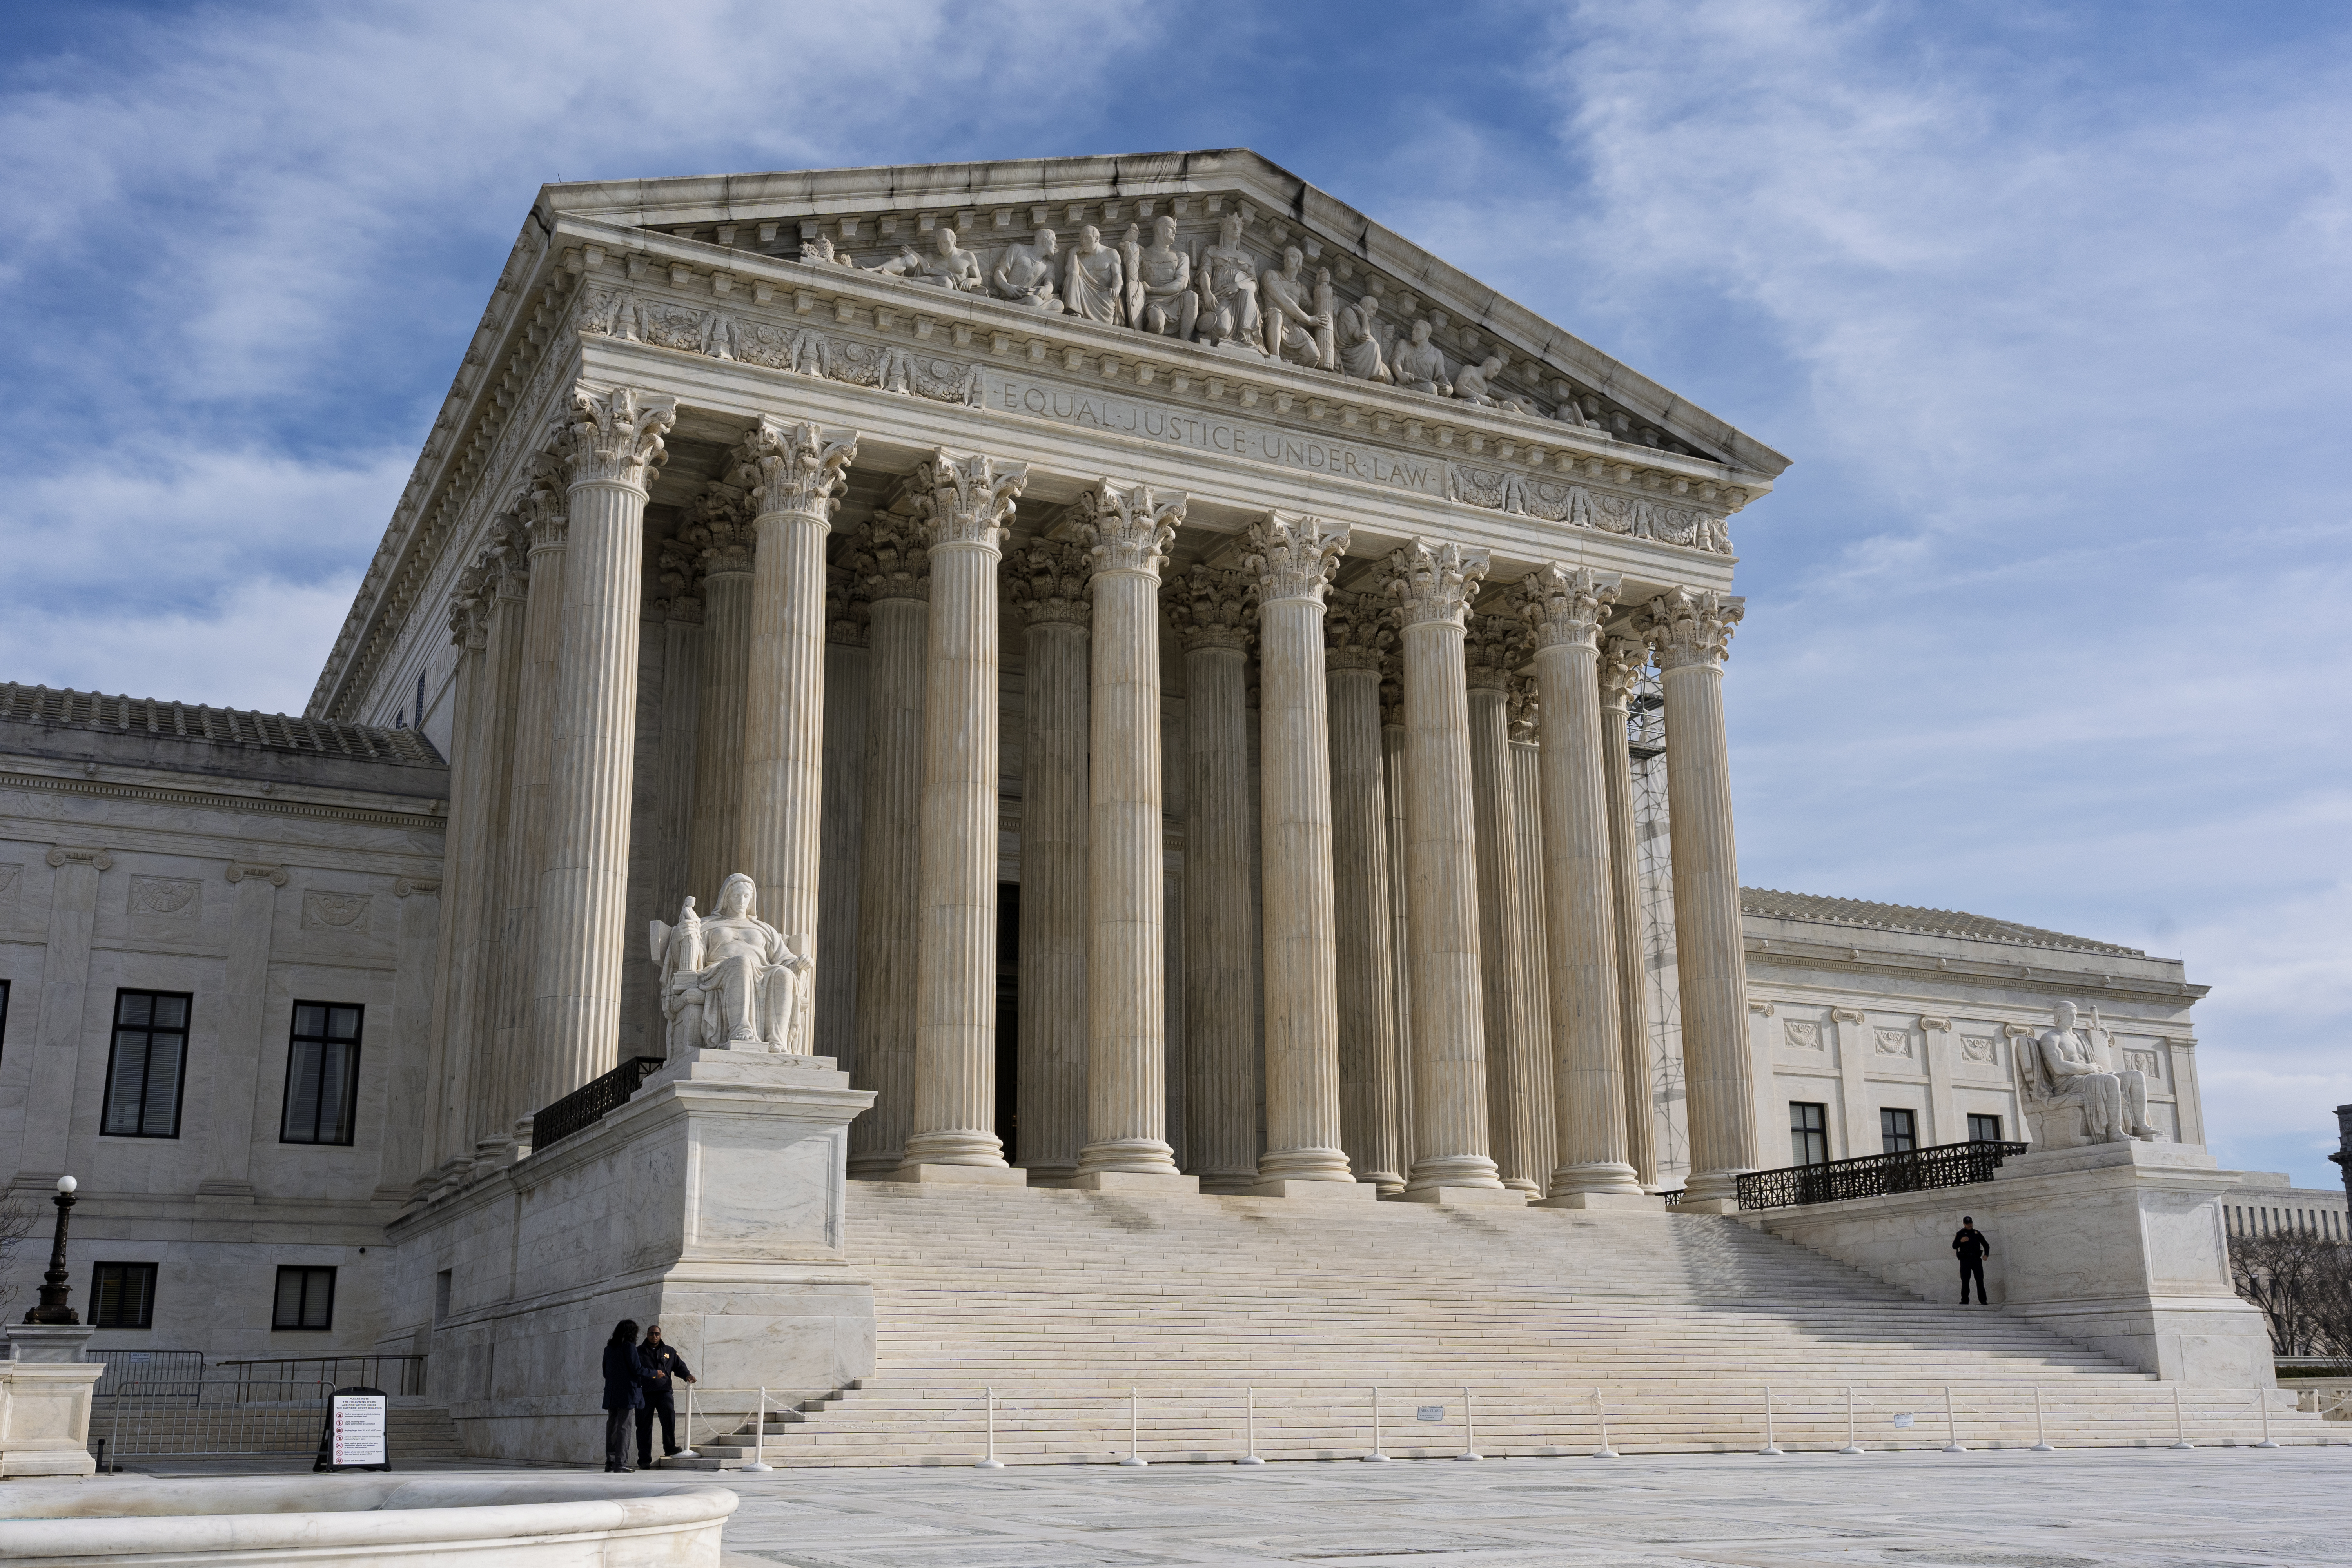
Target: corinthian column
{"x":1690,"y":630}
{"x":1565,"y":610}
{"x":1621,"y":662}
{"x":835,"y":1031}
{"x":1516,"y":1104}
{"x":1529,"y":960}
{"x":1048,"y":584}
{"x":1435,"y":585}
{"x":1393,"y":767}
{"x":722,"y":532}
{"x":1356,"y":636}
{"x":965,"y":502}
{"x":1211,"y":613}
{"x":476,"y":765}
{"x":614,"y":443}
{"x":796,"y":471}
{"x":894,"y":573}
{"x":1127,"y":900}
{"x":1292,"y":558}
{"x":515,"y":1076}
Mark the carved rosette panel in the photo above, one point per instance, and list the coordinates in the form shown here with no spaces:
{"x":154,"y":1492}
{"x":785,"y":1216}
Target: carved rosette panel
{"x":1894,"y":1042}
{"x":1293,"y":555}
{"x":1623,"y":659}
{"x":967,"y":498}
{"x":1802,"y":1034}
{"x":1564,"y":606}
{"x":614,"y":437}
{"x":1981,"y":1048}
{"x":889,"y":559}
{"x":1209,"y":608}
{"x":1691,"y":628}
{"x":324,"y":910}
{"x":1356,"y":632}
{"x":166,"y":896}
{"x":1435,"y":583}
{"x":797,"y":466}
{"x":1129,"y":529}
{"x":1048,"y":583}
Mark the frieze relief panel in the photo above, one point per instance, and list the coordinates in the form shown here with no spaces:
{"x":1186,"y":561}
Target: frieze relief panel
{"x":1894,"y":1042}
{"x":326,"y":910}
{"x":1981,"y":1050}
{"x":164,"y":896}
{"x":12,"y":877}
{"x":1802,"y":1034}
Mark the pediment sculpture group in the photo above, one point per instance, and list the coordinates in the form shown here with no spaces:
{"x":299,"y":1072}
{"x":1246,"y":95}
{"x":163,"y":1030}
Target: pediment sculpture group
{"x":730,"y":981}
{"x":1214,"y":294}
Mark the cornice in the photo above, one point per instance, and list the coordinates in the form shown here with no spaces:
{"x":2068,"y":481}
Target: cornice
{"x":224,"y":800}
{"x":2038,"y":977}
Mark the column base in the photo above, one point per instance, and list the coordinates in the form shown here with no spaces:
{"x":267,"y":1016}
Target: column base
{"x":1228,"y":1183}
{"x":1349,"y":1192}
{"x":1465,"y":1197}
{"x":960,"y":1175}
{"x":1453,"y":1171}
{"x":955,"y":1146}
{"x":1167,"y":1182}
{"x":1707,"y":1205}
{"x":1623,"y":1202}
{"x":1136,"y":1156}
{"x":1600,"y":1176}
{"x":1711,"y":1192}
{"x":1303,"y":1166}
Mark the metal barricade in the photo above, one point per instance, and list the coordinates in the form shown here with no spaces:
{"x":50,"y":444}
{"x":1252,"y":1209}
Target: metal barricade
{"x":258,"y":1376}
{"x":161,"y":1420}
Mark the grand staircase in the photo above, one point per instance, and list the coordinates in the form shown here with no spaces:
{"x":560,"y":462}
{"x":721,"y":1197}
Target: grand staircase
{"x":1111,"y":1325}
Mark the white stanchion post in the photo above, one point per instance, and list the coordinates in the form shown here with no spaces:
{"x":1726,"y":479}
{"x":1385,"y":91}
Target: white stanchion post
{"x":1952,"y":1444}
{"x":1469,"y":1429}
{"x":688,"y":1451}
{"x":992,"y":1462}
{"x":1853,"y":1444}
{"x":1771,"y":1447}
{"x":1135,"y":1459}
{"x":2041,"y":1438}
{"x":1376,"y":1457}
{"x":2180,"y":1424}
{"x":2262,"y":1403}
{"x":758,"y":1465}
{"x":1251,"y":1457}
{"x":1600,"y":1410}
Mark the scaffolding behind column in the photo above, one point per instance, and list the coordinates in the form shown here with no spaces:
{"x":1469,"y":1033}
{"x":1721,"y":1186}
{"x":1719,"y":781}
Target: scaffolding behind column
{"x":1646,"y":715}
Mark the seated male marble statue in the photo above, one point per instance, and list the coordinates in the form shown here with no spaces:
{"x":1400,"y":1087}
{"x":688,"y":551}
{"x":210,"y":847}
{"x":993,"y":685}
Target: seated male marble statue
{"x":1420,"y":366}
{"x":2070,"y":1095}
{"x":1025,"y":274}
{"x":731,"y":980}
{"x":1162,"y":299}
{"x":1476,"y":384}
{"x":1296,"y":320}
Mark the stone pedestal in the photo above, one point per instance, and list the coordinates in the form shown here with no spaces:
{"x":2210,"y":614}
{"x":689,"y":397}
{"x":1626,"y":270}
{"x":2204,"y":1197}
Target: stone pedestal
{"x":44,"y":1395}
{"x":711,"y":1202}
{"x":2117,"y":1246}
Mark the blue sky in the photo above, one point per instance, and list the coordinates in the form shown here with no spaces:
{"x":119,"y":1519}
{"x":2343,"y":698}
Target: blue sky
{"x":2047,"y":303}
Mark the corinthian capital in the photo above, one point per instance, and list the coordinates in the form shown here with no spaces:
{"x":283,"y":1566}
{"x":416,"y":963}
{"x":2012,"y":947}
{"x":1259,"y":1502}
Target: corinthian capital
{"x":1434,"y":583}
{"x":1048,"y":584}
{"x":1356,"y":632}
{"x":614,"y":438}
{"x":544,"y":503}
{"x":1292,"y":557}
{"x":796,"y":466}
{"x":844,"y":607}
{"x":966,"y":498}
{"x":1524,"y":708}
{"x":888,"y":562}
{"x":1623,"y":659}
{"x":1691,"y":628}
{"x":1129,"y":529}
{"x":469,"y":608}
{"x":1209,"y":608}
{"x":678,"y":569}
{"x":720,"y":530}
{"x":1564,"y":607}
{"x":1492,"y":647}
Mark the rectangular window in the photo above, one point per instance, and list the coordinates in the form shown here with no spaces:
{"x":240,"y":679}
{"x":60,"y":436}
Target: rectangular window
{"x":1808,"y":1136}
{"x":1898,"y":1131}
{"x":122,"y":1296}
{"x":1984,"y":1129}
{"x":322,"y":1074}
{"x":3,"y":1015}
{"x":143,"y":1073}
{"x":305,"y":1299}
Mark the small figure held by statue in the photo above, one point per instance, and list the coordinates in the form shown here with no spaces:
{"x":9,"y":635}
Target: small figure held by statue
{"x":731,"y":980}
{"x":2070,"y":1096}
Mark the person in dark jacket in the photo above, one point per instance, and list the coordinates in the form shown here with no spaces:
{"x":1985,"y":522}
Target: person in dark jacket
{"x":624,"y":1391}
{"x":662,"y":1368}
{"x":1971,"y":1248}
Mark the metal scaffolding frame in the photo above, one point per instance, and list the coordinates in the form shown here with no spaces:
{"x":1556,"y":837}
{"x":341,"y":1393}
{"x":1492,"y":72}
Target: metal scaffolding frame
{"x":1653,"y":842}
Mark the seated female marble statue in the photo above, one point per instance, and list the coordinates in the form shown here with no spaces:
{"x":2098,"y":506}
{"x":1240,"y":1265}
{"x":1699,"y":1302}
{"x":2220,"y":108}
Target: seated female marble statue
{"x":730,"y":982}
{"x":2069,"y":1094}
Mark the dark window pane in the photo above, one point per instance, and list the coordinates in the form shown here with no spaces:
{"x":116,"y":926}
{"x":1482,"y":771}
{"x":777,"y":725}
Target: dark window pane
{"x":134,"y":1007}
{"x":163,"y":1055}
{"x":130,"y":1088}
{"x":170,"y":1012}
{"x":334,"y":1114}
{"x":345,"y":1023}
{"x":310,"y":1019}
{"x":289,"y":1311}
{"x":302,"y":1093}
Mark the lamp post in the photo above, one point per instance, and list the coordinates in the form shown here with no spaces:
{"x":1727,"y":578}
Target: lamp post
{"x":2342,"y":1156}
{"x":51,"y":1308}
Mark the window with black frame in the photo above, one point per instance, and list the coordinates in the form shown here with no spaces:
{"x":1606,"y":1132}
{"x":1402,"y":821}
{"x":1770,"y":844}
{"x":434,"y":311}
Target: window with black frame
{"x":305,"y":1298}
{"x":322,"y":1074}
{"x":4,"y":1018}
{"x":1808,"y":1133}
{"x":148,"y":1065}
{"x":1898,"y":1132}
{"x":1984,"y":1129}
{"x":122,"y":1296}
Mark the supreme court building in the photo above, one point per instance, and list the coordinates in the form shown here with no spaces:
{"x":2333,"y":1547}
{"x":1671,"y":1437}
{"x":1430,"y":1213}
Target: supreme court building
{"x":1210,"y":697}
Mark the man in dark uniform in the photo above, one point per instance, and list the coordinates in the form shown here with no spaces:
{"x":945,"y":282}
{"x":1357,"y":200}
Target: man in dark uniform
{"x":1969,"y":1245}
{"x":659,"y":1366}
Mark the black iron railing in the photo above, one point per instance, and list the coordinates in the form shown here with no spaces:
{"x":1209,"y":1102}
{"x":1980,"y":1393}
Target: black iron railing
{"x":587,"y":1105}
{"x":1875,"y":1175}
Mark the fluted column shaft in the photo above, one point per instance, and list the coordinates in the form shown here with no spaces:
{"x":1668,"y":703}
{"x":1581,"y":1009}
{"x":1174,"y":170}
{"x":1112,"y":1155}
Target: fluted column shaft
{"x":966,"y":502}
{"x":1360,"y":882}
{"x":1210,"y":609}
{"x":681,"y":704}
{"x":1515,"y":1107}
{"x":1689,"y":631}
{"x":1532,"y":929}
{"x":835,"y":1032}
{"x":1621,"y":661}
{"x":1292,"y":557}
{"x":797,"y":469}
{"x":1050,"y":587}
{"x":1127,"y":900}
{"x":499,"y":738}
{"x":1450,"y":1141}
{"x":1393,"y":760}
{"x":1564,"y":609}
{"x":890,"y":867}
{"x":514,"y":1073}
{"x":719,"y":731}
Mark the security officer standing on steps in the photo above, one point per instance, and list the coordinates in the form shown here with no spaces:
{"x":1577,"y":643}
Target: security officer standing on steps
{"x":659,"y":1367}
{"x":1969,"y":1245}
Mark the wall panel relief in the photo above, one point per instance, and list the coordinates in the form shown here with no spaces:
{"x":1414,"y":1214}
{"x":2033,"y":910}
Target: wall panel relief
{"x":165,"y":897}
{"x":1802,"y":1034}
{"x":324,"y":910}
{"x":1895,"y":1043}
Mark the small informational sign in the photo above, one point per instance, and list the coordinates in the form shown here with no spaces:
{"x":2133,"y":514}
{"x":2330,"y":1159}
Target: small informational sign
{"x":1903,"y":1418}
{"x":354,"y":1438}
{"x":1429,"y":1413}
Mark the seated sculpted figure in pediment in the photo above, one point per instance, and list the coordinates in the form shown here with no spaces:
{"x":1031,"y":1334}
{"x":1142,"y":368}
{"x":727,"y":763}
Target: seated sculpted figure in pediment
{"x":731,"y":980}
{"x":1420,"y":365}
{"x":1025,"y":274}
{"x":2070,"y":1096}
